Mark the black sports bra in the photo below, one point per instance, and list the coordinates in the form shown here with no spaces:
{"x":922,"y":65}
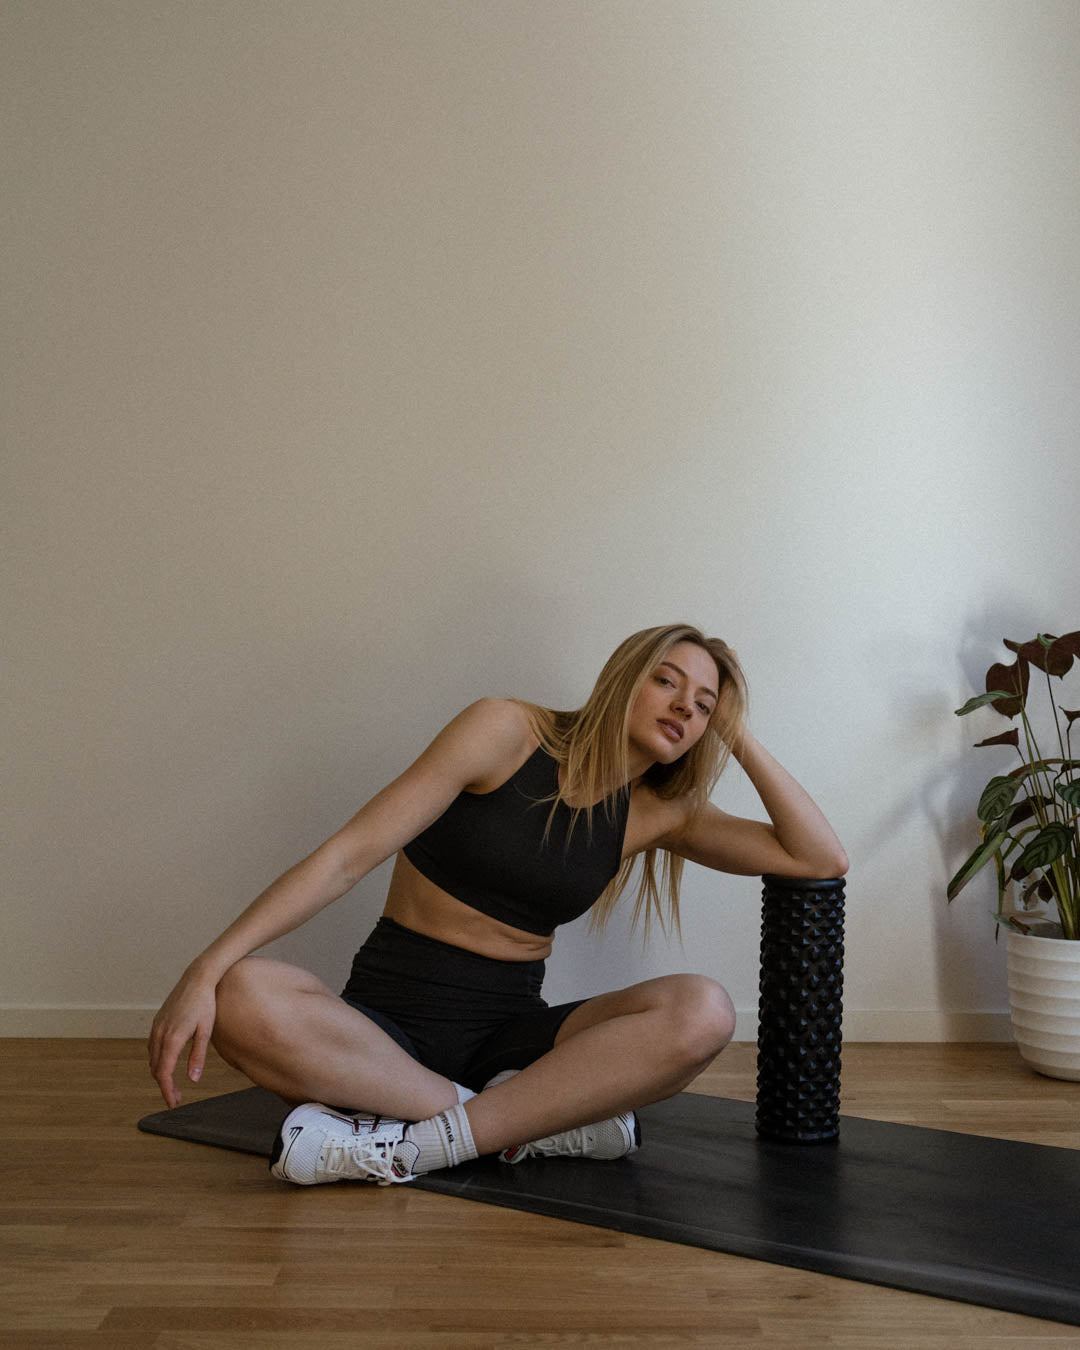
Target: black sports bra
{"x":487,"y":849}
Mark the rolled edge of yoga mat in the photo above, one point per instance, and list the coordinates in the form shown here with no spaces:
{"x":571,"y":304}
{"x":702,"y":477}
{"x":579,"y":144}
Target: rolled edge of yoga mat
{"x":800,"y":1010}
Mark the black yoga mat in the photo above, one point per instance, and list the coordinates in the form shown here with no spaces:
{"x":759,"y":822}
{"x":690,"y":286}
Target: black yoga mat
{"x":985,"y":1221}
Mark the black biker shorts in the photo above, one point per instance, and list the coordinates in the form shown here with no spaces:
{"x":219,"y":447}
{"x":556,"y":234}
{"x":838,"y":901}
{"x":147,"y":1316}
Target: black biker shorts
{"x":461,"y":1014}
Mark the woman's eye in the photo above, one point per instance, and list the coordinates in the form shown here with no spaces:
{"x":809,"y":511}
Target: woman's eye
{"x":704,"y":708}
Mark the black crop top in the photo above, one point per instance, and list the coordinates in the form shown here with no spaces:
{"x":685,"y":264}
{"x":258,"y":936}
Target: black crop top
{"x":487,"y":849}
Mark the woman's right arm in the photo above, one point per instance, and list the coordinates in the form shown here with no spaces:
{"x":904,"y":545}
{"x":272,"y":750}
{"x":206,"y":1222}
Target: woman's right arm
{"x":468,"y":750}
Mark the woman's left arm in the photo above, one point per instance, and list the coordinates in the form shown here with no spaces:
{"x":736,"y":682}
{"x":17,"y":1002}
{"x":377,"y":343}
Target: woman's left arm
{"x":799,"y":842}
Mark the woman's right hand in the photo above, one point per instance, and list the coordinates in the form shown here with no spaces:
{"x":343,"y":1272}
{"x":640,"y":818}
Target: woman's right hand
{"x":186,"y":1015}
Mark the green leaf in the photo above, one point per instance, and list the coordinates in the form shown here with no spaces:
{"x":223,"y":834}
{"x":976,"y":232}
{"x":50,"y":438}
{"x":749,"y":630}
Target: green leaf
{"x":1047,"y":846}
{"x":1002,"y":879}
{"x":1070,"y":792}
{"x":996,"y":798}
{"x":975,"y":863}
{"x":994,"y":696}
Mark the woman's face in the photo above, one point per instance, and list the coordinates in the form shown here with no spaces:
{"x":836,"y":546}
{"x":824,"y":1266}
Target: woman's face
{"x":673,"y":709}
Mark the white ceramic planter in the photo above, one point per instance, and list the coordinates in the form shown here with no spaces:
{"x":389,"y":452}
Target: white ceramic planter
{"x":1044,"y":996}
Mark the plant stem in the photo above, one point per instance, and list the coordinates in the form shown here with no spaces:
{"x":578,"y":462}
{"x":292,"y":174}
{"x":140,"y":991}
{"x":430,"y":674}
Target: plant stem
{"x":1053,"y":708}
{"x":1070,"y":877}
{"x":1035,"y":757}
{"x":1075,"y":869}
{"x":1063,"y":895}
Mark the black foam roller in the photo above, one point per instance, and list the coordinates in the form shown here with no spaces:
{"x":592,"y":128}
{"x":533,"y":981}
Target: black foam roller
{"x":800,"y":1009}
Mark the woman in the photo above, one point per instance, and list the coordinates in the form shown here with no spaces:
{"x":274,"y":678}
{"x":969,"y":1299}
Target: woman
{"x":514,"y":819}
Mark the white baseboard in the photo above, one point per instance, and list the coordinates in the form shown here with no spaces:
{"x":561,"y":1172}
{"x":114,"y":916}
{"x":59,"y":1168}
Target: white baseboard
{"x":31,"y":1020}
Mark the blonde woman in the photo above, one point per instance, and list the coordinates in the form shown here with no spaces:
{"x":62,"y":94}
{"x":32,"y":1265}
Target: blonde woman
{"x":516,"y":818}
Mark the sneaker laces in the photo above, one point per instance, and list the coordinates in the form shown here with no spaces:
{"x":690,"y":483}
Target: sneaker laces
{"x":360,"y":1159}
{"x":566,"y":1144}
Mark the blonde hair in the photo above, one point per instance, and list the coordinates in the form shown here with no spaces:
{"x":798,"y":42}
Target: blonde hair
{"x":592,"y":745}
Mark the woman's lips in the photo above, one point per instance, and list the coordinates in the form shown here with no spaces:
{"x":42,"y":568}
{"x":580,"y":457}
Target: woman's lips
{"x":672,"y":730}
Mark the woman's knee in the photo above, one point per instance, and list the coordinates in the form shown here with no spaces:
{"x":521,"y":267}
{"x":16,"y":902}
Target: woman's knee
{"x":249,"y":995}
{"x":243,"y":985}
{"x":238,"y":998}
{"x":702,"y":1015}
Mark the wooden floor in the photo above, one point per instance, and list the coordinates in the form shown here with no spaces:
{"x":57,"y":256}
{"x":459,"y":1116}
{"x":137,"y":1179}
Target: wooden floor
{"x":115,"y":1239}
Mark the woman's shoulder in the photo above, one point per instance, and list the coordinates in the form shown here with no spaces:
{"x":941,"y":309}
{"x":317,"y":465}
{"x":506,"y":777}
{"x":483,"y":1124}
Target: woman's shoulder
{"x":502,"y":718}
{"x":493,"y":737}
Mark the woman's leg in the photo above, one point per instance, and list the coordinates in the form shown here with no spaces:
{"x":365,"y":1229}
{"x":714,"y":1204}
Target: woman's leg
{"x":612,"y":1054}
{"x":291,"y":1033}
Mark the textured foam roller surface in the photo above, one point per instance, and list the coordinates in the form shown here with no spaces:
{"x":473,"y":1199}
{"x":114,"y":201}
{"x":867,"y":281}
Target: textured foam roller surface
{"x":986,"y":1221}
{"x":800,"y":1008}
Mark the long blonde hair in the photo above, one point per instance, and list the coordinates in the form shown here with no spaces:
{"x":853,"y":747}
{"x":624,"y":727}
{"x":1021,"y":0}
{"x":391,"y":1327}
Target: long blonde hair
{"x":592,"y":745}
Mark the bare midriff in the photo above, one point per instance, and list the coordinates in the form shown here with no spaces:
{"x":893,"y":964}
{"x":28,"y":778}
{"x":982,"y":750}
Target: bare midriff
{"x":417,"y":903}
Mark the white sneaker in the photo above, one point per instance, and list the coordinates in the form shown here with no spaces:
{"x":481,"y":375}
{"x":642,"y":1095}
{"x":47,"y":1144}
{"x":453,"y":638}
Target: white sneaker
{"x":606,"y":1139}
{"x":615,"y":1138}
{"x":318,"y":1144}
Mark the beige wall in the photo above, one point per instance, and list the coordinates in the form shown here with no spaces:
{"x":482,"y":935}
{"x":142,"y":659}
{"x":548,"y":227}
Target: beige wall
{"x":363,"y":358}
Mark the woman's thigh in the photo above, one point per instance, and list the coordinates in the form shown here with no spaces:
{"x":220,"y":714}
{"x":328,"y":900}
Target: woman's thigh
{"x":290,"y":1032}
{"x":690,"y":1008}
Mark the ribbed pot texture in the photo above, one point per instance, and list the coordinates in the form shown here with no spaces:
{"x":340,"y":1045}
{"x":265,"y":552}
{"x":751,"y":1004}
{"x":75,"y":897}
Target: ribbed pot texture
{"x":1044,"y":997}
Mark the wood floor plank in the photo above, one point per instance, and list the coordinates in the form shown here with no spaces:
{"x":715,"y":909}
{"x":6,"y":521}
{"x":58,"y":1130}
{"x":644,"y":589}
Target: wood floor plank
{"x":118,"y":1239}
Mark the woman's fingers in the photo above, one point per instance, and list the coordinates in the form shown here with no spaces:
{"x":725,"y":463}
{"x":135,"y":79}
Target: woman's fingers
{"x":160,"y":1071}
{"x":166,"y":1046}
{"x":166,"y":1067}
{"x":197,"y":1058}
{"x":154,"y":1047}
{"x":186,"y":1015}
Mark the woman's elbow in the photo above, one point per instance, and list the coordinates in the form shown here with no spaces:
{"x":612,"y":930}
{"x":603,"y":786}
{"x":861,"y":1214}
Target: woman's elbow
{"x":835,"y":869}
{"x":831,"y":868}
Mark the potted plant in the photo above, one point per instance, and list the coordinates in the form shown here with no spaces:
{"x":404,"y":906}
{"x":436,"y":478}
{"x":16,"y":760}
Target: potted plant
{"x":1030,"y":829}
